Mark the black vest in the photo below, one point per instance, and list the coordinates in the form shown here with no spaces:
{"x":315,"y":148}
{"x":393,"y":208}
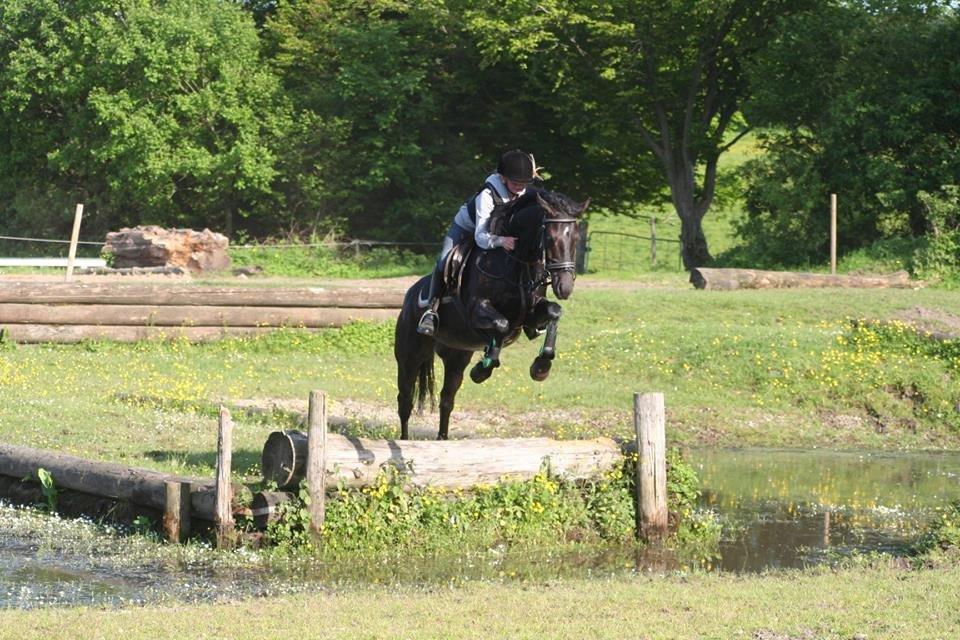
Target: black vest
{"x":472,"y":202}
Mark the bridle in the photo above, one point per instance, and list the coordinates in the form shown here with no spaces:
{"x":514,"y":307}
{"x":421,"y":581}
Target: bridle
{"x":553,"y":267}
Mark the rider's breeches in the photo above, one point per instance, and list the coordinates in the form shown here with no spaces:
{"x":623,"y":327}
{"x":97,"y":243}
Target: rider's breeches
{"x":455,"y":235}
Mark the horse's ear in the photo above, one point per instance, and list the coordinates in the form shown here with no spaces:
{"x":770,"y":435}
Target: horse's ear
{"x":543,"y":204}
{"x":583,"y":206}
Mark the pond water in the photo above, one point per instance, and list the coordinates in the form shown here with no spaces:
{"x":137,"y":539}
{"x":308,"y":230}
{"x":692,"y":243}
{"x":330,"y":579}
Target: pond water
{"x":778,"y":509}
{"x":786,"y":508}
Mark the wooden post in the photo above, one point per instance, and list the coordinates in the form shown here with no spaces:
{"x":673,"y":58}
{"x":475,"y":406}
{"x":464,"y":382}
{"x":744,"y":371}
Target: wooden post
{"x":176,"y":513}
{"x":224,"y":515}
{"x":653,"y":241}
{"x":317,"y":459}
{"x":649,"y":423}
{"x":74,"y":239}
{"x":833,"y":233}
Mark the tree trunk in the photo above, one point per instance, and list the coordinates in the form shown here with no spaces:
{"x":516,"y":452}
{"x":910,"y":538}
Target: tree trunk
{"x":690,"y":210}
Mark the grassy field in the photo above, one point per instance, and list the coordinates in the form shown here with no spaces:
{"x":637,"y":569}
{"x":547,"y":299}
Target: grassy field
{"x":775,"y":368}
{"x":763,"y":368}
{"x":873,"y":602}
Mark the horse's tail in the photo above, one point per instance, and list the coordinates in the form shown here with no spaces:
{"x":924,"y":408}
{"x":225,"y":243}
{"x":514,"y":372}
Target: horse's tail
{"x":424,"y":385}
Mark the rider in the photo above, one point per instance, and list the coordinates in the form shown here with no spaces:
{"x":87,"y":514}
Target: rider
{"x":515,"y":171}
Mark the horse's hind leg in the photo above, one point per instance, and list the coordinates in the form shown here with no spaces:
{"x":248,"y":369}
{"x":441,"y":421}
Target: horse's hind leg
{"x":455,"y":362}
{"x":406,"y":377}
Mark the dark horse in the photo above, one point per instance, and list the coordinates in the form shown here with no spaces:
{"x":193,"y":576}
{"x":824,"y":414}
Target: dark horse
{"x":501,"y":293}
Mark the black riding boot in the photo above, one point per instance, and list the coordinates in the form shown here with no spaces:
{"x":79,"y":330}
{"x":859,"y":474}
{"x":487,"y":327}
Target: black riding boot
{"x":429,"y":319}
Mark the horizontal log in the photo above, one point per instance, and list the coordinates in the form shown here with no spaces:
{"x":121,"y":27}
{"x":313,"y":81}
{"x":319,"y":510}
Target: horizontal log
{"x":158,"y":294}
{"x":266,"y":507}
{"x":729,"y":279}
{"x":182,"y":315}
{"x":355,"y":462}
{"x":71,"y":334}
{"x":139,"y":486}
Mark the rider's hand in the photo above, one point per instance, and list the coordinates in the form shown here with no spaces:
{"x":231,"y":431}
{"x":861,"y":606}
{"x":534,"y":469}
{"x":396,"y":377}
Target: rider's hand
{"x":508,"y":242}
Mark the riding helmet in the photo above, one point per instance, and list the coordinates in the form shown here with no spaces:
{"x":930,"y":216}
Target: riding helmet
{"x":517,"y":166}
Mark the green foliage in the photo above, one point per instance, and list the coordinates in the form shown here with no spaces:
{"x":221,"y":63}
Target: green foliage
{"x":156,"y":113}
{"x":391,"y":516}
{"x":943,"y":532}
{"x":144,"y":526}
{"x":48,"y":488}
{"x":291,"y":530}
{"x":940,"y":258}
{"x":856,"y":101}
{"x":653,"y":88}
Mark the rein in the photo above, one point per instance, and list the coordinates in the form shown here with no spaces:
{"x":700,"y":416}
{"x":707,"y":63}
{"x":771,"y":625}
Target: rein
{"x":550,"y":267}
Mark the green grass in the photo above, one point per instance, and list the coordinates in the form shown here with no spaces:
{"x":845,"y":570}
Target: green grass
{"x":761,"y":367}
{"x":874,"y":602}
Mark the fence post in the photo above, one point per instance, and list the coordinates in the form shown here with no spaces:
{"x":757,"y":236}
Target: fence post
{"x":176,"y":513}
{"x":316,"y":475}
{"x":833,"y":234}
{"x":653,"y":241}
{"x":651,"y":470}
{"x":74,"y":239}
{"x":224,"y":515}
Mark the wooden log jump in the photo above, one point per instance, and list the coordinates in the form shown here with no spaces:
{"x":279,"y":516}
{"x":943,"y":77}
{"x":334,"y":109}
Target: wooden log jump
{"x":729,"y":279}
{"x":139,"y":486}
{"x":71,"y":312}
{"x":355,"y":462}
{"x":150,"y":294}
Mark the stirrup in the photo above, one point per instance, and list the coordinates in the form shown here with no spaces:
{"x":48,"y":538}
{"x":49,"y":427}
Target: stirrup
{"x":428,"y":323}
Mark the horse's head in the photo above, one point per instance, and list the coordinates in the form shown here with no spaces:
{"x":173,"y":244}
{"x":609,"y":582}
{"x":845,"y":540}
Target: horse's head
{"x":561,"y":234}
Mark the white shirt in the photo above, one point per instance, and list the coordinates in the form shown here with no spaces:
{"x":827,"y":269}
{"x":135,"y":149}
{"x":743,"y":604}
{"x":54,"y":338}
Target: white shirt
{"x":484,"y":205}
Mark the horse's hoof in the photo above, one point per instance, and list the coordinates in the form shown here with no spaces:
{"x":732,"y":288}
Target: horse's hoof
{"x":540,"y":369}
{"x":480,"y":373}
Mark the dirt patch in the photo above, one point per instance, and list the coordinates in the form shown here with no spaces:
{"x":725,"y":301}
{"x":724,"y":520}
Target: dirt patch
{"x":936,"y":322}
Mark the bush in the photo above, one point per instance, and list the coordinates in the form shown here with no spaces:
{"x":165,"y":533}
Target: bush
{"x":943,"y":532}
{"x":940,"y":258}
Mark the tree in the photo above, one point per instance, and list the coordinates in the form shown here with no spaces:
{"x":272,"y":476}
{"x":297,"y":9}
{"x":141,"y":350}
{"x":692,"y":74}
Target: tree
{"x":407,"y":115}
{"x":857,"y":99}
{"x":667,"y":74}
{"x":147,"y":112}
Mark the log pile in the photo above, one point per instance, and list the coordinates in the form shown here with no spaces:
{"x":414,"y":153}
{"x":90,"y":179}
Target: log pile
{"x":153,"y":246}
{"x":729,"y":279}
{"x":71,"y":312}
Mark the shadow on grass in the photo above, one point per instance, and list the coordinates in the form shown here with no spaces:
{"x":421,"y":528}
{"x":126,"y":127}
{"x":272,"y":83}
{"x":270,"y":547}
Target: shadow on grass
{"x":244,"y":461}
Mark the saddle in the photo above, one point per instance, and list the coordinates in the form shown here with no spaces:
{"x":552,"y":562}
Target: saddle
{"x":453,"y":266}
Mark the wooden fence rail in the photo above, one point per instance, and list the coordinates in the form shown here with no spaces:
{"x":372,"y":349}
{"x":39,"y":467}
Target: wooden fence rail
{"x":71,"y":312}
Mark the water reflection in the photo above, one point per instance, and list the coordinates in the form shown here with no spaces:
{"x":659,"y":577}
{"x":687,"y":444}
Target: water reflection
{"x":794,"y":508}
{"x":778,"y":509}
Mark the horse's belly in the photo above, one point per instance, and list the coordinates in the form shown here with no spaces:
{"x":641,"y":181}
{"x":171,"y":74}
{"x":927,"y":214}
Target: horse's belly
{"x":472,"y":341}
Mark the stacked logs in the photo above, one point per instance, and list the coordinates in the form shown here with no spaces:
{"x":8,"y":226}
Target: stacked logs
{"x":71,"y":312}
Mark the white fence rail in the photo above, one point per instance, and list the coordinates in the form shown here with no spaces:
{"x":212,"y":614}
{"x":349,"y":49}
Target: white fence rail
{"x":52,"y":262}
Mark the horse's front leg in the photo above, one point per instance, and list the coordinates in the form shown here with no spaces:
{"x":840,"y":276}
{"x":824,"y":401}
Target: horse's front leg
{"x":540,"y":368}
{"x":486,"y":318}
